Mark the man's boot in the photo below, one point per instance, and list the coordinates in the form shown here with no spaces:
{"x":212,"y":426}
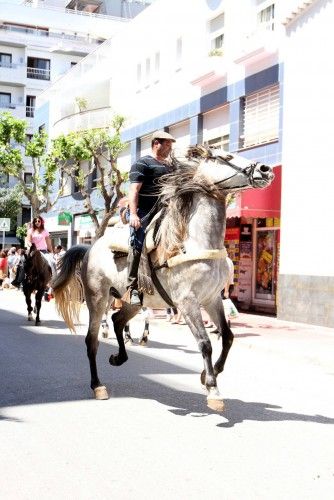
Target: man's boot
{"x":133,"y":265}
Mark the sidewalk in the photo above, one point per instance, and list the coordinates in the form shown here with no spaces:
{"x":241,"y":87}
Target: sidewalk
{"x":310,"y":343}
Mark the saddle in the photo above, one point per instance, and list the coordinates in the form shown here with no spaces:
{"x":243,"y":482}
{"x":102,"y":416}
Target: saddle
{"x":117,"y":239}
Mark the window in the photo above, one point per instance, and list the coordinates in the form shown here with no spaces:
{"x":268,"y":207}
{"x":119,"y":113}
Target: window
{"x":261,"y":117}
{"x":266,"y":17}
{"x":179,"y":50}
{"x":216,"y":30}
{"x":4,"y":179}
{"x":38,"y":69}
{"x":26,"y":215}
{"x":5,"y":60}
{"x":139,"y":75}
{"x":220,"y":142}
{"x":156,"y":67}
{"x":28,"y":179}
{"x":95,"y":178}
{"x":5,"y":99}
{"x":147,"y":71}
{"x":30,"y":106}
{"x":41,"y":128}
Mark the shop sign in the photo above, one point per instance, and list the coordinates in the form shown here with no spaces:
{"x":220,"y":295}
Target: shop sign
{"x":64,"y":218}
{"x":85,"y":220}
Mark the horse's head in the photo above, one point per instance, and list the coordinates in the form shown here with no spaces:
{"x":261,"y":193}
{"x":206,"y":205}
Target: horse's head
{"x":228,"y":171}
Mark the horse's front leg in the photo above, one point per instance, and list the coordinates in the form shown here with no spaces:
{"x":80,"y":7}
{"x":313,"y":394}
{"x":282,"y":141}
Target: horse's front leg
{"x":146,"y":332}
{"x":38,"y":305}
{"x":217,"y":314}
{"x":120,"y":319}
{"x":192,"y":315}
{"x":27,"y":295}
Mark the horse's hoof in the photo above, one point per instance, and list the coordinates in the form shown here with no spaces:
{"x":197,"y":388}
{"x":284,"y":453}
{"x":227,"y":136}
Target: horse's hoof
{"x":30,"y":318}
{"x":101,"y":393}
{"x":143,"y":342}
{"x":115,"y":360}
{"x":105,"y":334}
{"x":216,"y":404}
{"x":128,"y":341}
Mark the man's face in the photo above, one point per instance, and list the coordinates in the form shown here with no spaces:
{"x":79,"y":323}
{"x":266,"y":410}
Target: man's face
{"x":164,"y":148}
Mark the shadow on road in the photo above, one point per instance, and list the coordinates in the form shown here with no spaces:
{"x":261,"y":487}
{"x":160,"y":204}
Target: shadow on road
{"x":40,"y":368}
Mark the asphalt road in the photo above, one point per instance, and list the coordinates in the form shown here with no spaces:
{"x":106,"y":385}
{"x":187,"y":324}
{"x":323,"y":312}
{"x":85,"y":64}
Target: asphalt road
{"x":155,"y":438}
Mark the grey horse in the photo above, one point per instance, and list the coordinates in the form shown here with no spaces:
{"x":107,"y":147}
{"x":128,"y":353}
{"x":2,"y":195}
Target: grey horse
{"x":188,"y":251}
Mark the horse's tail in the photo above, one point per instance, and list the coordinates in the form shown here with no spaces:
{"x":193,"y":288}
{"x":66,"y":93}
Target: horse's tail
{"x":67,"y":285}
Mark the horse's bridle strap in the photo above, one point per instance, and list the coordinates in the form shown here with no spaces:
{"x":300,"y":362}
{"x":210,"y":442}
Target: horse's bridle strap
{"x":220,"y":253}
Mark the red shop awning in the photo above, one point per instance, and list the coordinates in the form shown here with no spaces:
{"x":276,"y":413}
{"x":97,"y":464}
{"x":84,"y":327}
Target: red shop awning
{"x":259,"y":203}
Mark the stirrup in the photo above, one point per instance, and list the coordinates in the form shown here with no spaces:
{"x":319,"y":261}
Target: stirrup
{"x":134,"y":298}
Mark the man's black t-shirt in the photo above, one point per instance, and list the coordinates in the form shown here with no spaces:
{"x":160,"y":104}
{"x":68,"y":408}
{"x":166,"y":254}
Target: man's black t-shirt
{"x":147,"y":170}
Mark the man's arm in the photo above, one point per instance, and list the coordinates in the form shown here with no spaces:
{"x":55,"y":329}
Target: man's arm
{"x":133,"y":204}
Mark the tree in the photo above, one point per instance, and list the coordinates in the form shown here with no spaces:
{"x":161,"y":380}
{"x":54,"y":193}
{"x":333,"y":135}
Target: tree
{"x":14,"y":148}
{"x":79,"y":155}
{"x":10,"y":204}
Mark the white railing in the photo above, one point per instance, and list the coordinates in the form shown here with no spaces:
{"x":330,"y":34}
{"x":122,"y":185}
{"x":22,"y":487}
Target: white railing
{"x":8,"y":29}
{"x":38,"y":74}
{"x":28,"y":3}
{"x":30,"y":111}
{"x":90,"y":119}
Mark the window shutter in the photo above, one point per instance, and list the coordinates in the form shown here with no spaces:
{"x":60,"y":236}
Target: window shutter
{"x":261,"y":117}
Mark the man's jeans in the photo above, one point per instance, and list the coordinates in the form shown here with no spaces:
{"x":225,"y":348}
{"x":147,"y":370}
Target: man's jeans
{"x":137,"y":237}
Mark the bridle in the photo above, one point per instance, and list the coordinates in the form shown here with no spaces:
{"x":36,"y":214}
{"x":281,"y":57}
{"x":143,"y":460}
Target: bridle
{"x":248,"y":171}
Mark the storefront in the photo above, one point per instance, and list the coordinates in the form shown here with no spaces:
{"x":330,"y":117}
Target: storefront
{"x":253,"y":242}
{"x":59,"y":227}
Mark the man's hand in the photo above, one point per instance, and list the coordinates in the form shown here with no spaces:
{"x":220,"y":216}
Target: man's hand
{"x":134,"y":221}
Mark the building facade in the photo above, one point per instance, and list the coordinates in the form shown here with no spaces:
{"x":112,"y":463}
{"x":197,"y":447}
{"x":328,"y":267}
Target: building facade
{"x":42,"y":40}
{"x":218,"y":79}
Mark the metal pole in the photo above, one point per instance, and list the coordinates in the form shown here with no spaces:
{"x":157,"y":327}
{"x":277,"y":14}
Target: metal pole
{"x":3,"y":239}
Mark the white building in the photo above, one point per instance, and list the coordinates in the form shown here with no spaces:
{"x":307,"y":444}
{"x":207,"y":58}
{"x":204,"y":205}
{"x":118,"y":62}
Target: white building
{"x":219,"y":78}
{"x":40,"y":41}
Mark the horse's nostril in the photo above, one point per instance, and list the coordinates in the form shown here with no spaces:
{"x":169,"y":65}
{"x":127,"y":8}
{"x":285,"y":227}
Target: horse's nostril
{"x":264,"y":168}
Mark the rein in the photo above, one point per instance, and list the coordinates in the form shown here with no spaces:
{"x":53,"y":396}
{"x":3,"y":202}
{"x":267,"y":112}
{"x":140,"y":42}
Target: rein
{"x":248,"y":171}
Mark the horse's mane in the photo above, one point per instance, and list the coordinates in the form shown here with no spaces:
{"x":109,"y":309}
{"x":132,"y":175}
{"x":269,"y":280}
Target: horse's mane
{"x":177,"y":196}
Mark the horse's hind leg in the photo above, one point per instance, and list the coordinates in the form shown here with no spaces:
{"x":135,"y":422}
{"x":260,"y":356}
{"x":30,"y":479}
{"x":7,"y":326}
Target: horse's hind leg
{"x":96,"y":309}
{"x":217,"y":314}
{"x":120,"y":319}
{"x":192,"y":315}
{"x":27,"y":295}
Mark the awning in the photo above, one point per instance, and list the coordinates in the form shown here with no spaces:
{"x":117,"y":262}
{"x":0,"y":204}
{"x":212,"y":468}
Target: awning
{"x":259,"y":203}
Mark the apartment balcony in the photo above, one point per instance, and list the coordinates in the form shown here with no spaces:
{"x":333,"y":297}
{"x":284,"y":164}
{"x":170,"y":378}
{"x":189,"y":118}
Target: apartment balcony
{"x":72,"y":43}
{"x":12,"y":74}
{"x":208,"y":70}
{"x":85,"y":120}
{"x":30,"y":111}
{"x":17,"y":110}
{"x":256,"y":46}
{"x":38,"y":74}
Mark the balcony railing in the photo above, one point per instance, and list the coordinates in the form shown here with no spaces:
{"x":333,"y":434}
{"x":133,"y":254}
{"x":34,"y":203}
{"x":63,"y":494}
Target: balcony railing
{"x":30,"y":111}
{"x":16,"y":30}
{"x":38,"y":74}
{"x":28,"y":3}
{"x":90,"y":119}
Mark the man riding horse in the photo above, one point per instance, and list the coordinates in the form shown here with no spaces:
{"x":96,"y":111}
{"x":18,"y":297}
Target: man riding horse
{"x":143,"y":196}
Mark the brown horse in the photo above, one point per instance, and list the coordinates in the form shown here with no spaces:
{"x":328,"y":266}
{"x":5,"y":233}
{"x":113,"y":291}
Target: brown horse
{"x":37,"y":276}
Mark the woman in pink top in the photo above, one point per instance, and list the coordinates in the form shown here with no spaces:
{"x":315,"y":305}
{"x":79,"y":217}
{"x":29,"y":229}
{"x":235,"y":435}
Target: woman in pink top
{"x":40,"y":236}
